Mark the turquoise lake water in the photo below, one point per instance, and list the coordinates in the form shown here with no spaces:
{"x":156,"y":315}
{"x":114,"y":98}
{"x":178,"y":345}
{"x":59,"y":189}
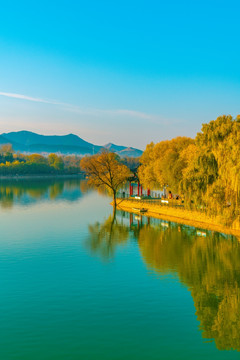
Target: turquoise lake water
{"x":78,"y":284}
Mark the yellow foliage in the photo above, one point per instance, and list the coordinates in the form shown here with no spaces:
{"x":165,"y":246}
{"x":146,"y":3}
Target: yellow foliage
{"x":206,"y":171}
{"x":209,"y":268}
{"x":104,"y":170}
{"x":162,"y":164}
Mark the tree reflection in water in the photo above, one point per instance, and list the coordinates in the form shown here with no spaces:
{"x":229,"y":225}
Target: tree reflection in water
{"x":210,"y":267}
{"x":208,"y":263}
{"x":104,"y":238}
{"x":32,"y":190}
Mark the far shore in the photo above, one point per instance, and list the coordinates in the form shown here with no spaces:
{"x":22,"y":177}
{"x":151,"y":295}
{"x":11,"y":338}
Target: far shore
{"x":178,"y":215}
{"x":47,"y":176}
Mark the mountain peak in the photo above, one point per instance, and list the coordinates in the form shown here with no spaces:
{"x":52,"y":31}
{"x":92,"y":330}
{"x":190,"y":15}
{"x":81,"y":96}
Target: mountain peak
{"x":31,"y":142}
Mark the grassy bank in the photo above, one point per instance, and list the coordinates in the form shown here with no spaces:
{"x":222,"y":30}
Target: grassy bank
{"x":179,"y":215}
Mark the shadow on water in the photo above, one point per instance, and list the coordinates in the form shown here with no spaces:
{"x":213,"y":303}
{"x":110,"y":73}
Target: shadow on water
{"x":30,"y":191}
{"x":206,"y":262}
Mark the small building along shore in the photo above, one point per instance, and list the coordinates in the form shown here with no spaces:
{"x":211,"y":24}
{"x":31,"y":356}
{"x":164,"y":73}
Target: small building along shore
{"x":135,"y":189}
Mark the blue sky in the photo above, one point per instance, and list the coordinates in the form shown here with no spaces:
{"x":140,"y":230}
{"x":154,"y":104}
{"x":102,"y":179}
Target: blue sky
{"x":126,"y":72}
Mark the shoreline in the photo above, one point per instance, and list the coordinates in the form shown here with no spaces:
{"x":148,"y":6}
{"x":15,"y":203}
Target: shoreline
{"x":35,"y":176}
{"x":181,"y":216}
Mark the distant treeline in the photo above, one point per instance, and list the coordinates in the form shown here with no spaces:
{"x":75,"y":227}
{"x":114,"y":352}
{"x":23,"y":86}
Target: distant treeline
{"x":19,"y":164}
{"x":12,"y":163}
{"x":205,"y":170}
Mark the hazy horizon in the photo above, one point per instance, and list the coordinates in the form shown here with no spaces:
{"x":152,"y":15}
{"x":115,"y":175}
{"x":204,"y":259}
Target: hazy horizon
{"x":66,"y":134}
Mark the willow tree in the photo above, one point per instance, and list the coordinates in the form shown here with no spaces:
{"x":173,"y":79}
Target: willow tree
{"x":213,"y":173}
{"x":161,"y":163}
{"x":104,"y":170}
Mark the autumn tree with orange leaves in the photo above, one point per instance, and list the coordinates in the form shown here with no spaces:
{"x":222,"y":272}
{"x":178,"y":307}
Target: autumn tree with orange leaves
{"x":104,"y":170}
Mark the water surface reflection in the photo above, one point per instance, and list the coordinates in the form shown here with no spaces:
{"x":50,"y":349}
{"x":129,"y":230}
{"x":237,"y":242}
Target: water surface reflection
{"x":206,"y":262}
{"x":29,"y":191}
{"x":104,"y":238}
{"x":77,"y":279}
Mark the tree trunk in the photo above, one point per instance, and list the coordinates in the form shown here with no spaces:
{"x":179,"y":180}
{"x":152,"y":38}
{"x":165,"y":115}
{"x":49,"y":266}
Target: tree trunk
{"x":114,"y":200}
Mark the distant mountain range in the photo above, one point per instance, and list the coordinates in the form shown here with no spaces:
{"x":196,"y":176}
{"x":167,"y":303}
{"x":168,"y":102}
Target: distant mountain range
{"x":29,"y":142}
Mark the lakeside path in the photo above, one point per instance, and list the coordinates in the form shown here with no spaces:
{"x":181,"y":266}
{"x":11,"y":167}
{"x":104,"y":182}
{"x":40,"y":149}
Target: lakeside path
{"x":178,"y":215}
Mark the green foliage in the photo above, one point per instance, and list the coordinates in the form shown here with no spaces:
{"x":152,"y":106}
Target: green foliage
{"x":6,"y":153}
{"x":56,"y":162}
{"x":20,"y":164}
